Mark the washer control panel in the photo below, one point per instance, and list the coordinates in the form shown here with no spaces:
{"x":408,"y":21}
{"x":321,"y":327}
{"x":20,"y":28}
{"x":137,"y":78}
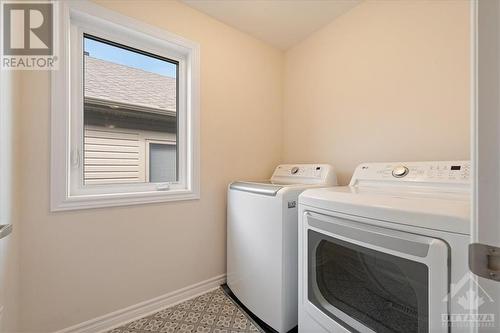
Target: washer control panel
{"x":303,"y":174}
{"x":441,"y":171}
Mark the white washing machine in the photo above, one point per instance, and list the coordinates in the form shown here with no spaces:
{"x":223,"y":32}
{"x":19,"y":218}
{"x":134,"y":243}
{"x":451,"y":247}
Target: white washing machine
{"x":262,"y":229}
{"x":388,"y":253}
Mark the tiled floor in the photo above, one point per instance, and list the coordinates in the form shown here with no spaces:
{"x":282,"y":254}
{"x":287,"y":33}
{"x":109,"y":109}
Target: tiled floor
{"x":212,"y":312}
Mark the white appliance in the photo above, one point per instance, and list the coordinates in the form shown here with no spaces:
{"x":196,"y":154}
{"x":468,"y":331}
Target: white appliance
{"x":388,"y":253}
{"x":262,"y":227}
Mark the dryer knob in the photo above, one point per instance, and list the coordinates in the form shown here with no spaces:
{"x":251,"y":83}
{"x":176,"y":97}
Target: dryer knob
{"x":400,"y":171}
{"x":294,"y":170}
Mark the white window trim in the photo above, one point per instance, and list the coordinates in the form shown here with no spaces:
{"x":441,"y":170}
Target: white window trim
{"x":67,"y":190}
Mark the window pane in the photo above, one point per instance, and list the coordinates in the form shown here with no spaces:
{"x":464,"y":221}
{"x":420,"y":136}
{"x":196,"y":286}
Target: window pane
{"x":130,"y":97}
{"x":162,"y":163}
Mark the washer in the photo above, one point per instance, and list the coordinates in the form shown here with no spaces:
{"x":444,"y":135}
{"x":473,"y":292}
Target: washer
{"x":262,"y":229}
{"x":388,"y":253}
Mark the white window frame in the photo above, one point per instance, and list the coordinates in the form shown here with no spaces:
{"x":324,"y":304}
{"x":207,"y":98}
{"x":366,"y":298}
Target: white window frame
{"x":67,"y":186}
{"x":7,"y":87}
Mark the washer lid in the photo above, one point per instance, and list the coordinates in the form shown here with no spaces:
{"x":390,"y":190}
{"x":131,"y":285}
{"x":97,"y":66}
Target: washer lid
{"x":445,"y":211}
{"x":266,"y":187}
{"x":263,"y":188}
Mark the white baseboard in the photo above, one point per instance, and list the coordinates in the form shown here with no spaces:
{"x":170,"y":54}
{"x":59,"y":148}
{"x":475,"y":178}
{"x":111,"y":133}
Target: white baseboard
{"x":131,"y":313}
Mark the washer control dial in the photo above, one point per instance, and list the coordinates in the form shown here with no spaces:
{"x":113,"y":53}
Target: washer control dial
{"x":294,"y":170}
{"x":400,"y":171}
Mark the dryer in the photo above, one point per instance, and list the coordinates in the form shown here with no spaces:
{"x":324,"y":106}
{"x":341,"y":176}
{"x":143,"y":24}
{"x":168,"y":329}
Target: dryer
{"x":262,"y":227}
{"x":388,"y":253}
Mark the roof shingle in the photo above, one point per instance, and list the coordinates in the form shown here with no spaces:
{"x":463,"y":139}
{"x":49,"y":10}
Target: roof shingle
{"x":109,"y":81}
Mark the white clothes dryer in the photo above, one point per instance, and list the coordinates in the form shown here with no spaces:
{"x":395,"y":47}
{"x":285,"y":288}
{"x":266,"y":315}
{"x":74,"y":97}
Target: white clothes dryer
{"x":388,"y":253}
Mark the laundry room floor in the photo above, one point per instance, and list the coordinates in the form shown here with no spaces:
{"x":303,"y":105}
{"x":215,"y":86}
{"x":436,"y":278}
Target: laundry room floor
{"x":213,"y":312}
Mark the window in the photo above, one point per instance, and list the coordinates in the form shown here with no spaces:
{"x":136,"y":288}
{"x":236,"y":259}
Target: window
{"x":162,"y":162}
{"x":125,"y":112}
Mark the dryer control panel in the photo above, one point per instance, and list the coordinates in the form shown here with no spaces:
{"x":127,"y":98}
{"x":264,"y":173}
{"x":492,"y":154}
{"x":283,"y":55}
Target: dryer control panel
{"x":449,"y":172}
{"x":304,"y":174}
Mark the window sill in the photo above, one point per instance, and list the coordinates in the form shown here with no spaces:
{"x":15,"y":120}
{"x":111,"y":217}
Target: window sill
{"x":122,"y":199}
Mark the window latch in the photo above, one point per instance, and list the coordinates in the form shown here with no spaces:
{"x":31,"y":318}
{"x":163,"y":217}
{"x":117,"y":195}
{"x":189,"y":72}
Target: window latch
{"x":75,"y":157}
{"x":163,"y":187}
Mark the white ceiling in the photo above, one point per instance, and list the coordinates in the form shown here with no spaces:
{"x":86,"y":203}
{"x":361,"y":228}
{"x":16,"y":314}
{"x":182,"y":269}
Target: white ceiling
{"x":281,"y":23}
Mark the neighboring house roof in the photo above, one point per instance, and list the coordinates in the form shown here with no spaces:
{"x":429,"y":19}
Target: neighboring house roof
{"x":111,"y":82}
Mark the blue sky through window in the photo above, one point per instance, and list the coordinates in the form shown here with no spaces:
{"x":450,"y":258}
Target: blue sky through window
{"x":129,"y":58}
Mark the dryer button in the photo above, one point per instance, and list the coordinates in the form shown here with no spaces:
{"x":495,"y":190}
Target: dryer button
{"x":400,"y":171}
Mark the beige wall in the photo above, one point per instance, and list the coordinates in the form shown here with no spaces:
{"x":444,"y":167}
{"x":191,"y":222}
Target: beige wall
{"x":9,"y":246}
{"x":387,"y":81}
{"x":82,"y":264}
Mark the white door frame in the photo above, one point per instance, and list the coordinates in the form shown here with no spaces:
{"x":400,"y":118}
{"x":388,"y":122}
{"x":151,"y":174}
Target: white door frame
{"x":485,"y":155}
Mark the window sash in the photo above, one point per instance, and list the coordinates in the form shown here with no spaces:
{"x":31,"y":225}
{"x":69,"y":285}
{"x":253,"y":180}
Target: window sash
{"x":77,"y":186}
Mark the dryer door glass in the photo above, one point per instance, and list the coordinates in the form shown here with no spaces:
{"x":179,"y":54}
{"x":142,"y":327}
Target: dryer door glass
{"x":356,"y":285}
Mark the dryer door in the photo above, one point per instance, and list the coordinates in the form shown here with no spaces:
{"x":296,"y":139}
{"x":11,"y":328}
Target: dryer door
{"x":371,"y":279}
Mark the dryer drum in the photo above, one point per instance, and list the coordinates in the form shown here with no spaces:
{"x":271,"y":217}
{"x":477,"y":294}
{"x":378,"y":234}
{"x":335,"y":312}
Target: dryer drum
{"x":381,"y":292}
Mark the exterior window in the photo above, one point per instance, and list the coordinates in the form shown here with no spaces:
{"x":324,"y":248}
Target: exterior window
{"x":162,"y":162}
{"x":126,"y":101}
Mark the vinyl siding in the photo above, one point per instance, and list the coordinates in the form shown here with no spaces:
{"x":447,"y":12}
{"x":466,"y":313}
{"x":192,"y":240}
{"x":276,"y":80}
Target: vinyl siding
{"x":114,"y":156}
